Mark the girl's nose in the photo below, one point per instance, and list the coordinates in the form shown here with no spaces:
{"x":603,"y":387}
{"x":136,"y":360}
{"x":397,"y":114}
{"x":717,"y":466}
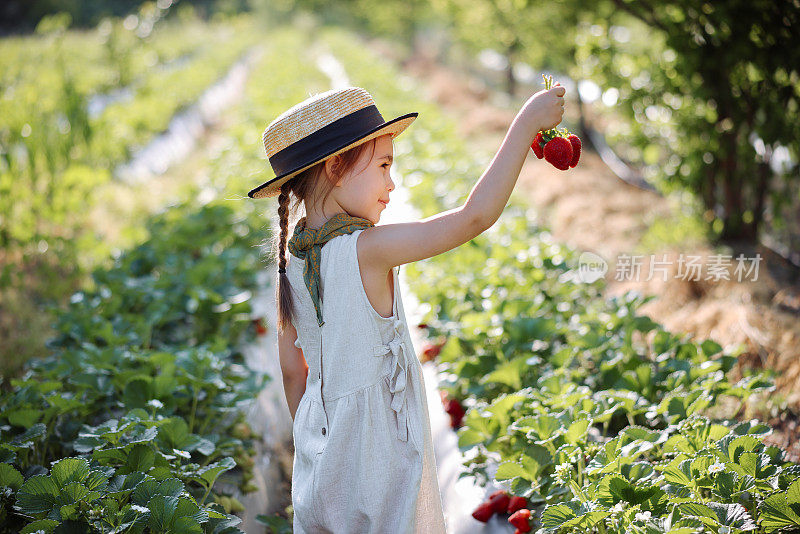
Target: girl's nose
{"x":391,"y":184}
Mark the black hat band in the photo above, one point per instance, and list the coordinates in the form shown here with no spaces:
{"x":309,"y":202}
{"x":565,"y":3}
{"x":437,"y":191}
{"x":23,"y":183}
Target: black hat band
{"x":326,"y":140}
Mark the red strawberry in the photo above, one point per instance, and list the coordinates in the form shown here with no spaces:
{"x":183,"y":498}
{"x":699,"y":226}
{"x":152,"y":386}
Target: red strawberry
{"x":455,"y":421}
{"x":483,"y":512}
{"x":558,"y":151}
{"x":260,"y":328}
{"x":499,"y":501}
{"x":450,"y":407}
{"x":453,"y":407}
{"x":516,"y":503}
{"x":430,"y":351}
{"x":521,"y":519}
{"x":537,"y":145}
{"x":576,"y":148}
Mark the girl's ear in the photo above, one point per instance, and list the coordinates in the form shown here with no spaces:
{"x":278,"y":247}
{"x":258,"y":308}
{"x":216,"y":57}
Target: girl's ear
{"x":330,"y":164}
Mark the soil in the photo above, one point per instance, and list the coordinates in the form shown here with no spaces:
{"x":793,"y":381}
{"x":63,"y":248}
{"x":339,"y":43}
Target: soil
{"x":591,"y":209}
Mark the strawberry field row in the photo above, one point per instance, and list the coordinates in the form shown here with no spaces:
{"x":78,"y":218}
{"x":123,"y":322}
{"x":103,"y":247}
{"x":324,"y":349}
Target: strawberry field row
{"x":54,"y":154}
{"x":137,"y":411}
{"x":599,"y":417}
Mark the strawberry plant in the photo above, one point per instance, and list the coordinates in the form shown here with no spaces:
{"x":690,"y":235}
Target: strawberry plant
{"x":136,"y":414}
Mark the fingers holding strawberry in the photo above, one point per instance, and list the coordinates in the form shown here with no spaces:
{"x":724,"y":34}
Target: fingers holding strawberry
{"x":545,"y":108}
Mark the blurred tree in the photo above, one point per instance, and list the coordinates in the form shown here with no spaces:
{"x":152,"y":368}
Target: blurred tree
{"x":538,"y":33}
{"x":712,"y":90}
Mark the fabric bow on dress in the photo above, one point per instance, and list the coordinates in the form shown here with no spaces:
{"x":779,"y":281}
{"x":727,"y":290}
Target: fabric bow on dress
{"x":398,"y":383}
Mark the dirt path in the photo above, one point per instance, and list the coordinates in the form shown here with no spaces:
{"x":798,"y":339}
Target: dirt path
{"x":590,"y":209}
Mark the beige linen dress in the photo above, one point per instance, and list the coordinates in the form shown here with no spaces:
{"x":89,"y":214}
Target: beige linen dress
{"x":364,"y":457}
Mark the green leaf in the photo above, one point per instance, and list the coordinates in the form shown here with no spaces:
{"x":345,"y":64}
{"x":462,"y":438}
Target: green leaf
{"x":635,"y":432}
{"x":162,"y":512}
{"x":170,"y":487}
{"x":48,"y":525}
{"x":678,"y":472}
{"x":734,"y":446}
{"x":757,"y":465}
{"x":468,"y":437}
{"x":710,"y":347}
{"x":141,"y":458}
{"x":25,"y":440}
{"x":187,"y":508}
{"x":716,"y":514}
{"x":210,"y":473}
{"x":38,"y":494}
{"x":781,"y":509}
{"x":185,"y":525}
{"x":10,"y":477}
{"x":572,"y":514}
{"x":508,"y":373}
{"x":614,"y":488}
{"x":576,"y":432}
{"x":510,"y":469}
{"x":123,"y":484}
{"x":543,"y":426}
{"x":24,"y":417}
{"x":72,"y":493}
{"x":69,"y":470}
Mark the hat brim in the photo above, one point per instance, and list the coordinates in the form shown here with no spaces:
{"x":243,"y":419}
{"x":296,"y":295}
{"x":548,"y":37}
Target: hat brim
{"x":394,"y":127}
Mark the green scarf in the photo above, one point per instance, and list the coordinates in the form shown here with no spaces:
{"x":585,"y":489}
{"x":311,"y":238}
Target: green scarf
{"x":306,"y":243}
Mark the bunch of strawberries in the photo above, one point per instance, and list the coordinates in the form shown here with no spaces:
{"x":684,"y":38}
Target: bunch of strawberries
{"x":500,"y":502}
{"x":560,"y":147}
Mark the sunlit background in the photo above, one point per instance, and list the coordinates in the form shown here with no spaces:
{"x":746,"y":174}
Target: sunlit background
{"x":130,"y":133}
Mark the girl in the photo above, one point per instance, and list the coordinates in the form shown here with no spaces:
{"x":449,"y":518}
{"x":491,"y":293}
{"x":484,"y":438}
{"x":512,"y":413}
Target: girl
{"x":363,"y":453}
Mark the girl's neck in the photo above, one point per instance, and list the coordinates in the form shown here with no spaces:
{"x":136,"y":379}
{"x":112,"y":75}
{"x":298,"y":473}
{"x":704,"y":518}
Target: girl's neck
{"x":317,"y":221}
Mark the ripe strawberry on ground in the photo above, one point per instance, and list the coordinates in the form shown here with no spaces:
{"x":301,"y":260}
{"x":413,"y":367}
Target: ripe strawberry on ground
{"x":453,"y":408}
{"x":483,"y":512}
{"x":430,"y":351}
{"x":521,"y":519}
{"x":455,"y":411}
{"x":499,"y":500}
{"x":576,"y":148}
{"x":260,"y":328}
{"x":558,"y":151}
{"x":537,"y":145}
{"x":515,"y":503}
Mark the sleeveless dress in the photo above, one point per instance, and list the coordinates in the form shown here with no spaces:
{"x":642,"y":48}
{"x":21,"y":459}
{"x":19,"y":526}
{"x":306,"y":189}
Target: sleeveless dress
{"x":364,"y":459}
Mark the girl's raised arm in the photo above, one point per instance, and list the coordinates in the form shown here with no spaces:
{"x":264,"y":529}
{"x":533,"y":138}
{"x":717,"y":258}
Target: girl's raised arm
{"x":386,"y":246}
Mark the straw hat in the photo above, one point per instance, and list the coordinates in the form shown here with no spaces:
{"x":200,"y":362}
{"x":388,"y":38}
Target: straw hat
{"x":320,"y":127}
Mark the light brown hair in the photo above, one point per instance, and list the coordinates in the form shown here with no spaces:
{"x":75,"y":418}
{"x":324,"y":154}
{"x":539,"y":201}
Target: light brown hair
{"x":303,"y":186}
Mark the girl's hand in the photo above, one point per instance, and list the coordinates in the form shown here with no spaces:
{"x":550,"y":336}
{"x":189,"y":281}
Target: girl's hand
{"x":544,"y":109}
